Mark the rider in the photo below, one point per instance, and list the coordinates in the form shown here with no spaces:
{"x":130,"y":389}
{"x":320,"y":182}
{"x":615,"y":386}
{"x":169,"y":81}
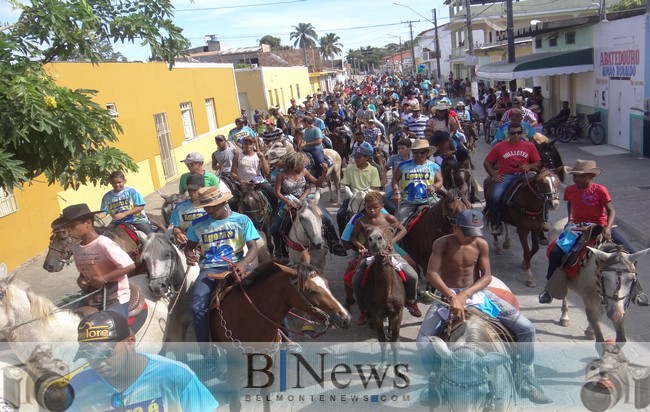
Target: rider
{"x":222,"y":159}
{"x":451,"y":271}
{"x":589,"y":203}
{"x":418,"y":178}
{"x":313,"y":137}
{"x":358,"y":176}
{"x":101,"y":263}
{"x":220,"y":233}
{"x":119,"y":378}
{"x":551,"y":125}
{"x":442,"y":120}
{"x":240,"y":130}
{"x":194,"y":162}
{"x":515,"y":116}
{"x":462,"y":112}
{"x":514,"y":157}
{"x":250,"y":168}
{"x":416,"y":122}
{"x":184,"y":212}
{"x":374,"y":217}
{"x":125,"y":205}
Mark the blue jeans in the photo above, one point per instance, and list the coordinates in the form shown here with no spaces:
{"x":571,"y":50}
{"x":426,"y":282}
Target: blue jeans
{"x":328,"y":221}
{"x":319,"y":157}
{"x":201,"y":295}
{"x":342,"y":215}
{"x":121,"y":308}
{"x":496,"y":193}
{"x":523,"y":329}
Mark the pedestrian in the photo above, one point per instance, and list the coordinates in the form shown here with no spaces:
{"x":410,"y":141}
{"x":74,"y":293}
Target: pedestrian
{"x":119,"y":378}
{"x":101,"y":263}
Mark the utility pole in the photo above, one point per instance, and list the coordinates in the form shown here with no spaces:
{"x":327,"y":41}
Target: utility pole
{"x":510,"y":30}
{"x":470,"y":38}
{"x":435,"y":26}
{"x":410,"y":22}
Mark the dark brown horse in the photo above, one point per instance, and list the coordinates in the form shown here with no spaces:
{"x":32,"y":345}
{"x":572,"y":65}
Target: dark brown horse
{"x":522,"y":206}
{"x":341,"y":141}
{"x":454,"y":175}
{"x":252,"y":312}
{"x":437,"y":221}
{"x":551,"y":158}
{"x":254,"y":204}
{"x":384,"y":292}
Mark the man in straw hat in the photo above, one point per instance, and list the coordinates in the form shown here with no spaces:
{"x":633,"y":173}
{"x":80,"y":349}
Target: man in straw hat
{"x":589,"y":204}
{"x":220,"y":234}
{"x":455,"y":283}
{"x":101,"y":263}
{"x":415,"y":181}
{"x":121,"y":379}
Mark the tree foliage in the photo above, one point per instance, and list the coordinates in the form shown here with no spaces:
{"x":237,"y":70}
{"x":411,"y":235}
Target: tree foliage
{"x":50,"y":129}
{"x":304,"y":35}
{"x":628,"y":5}
{"x":105,"y":51}
{"x":330,"y":46}
{"x":274,"y":42}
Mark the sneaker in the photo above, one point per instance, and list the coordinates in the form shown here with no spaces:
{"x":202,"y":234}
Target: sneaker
{"x":348,"y":303}
{"x":339,"y":250}
{"x":546,"y":227}
{"x":641,"y":300}
{"x":496,"y":230}
{"x":363,"y":319}
{"x":542,"y":239}
{"x":425,"y":297}
{"x":545,"y":297}
{"x":414,"y":310}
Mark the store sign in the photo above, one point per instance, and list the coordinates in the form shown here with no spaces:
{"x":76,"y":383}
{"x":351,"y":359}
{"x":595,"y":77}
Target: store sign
{"x":621,"y":64}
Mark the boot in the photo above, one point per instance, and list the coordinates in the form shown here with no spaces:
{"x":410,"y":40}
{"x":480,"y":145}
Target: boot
{"x":529,"y":387}
{"x":638,"y":296}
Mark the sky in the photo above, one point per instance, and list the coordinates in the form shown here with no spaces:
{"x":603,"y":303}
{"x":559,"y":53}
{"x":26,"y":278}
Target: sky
{"x":241,"y":23}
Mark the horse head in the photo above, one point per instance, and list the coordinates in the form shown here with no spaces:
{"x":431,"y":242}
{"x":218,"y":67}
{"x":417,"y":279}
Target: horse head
{"x":251,"y":204}
{"x":455,"y":176}
{"x":547,"y":187}
{"x":170,"y":202}
{"x":380,"y":238}
{"x":357,"y":199}
{"x":165,"y":263}
{"x":59,"y":252}
{"x":551,"y":158}
{"x":454,"y":201}
{"x":467,"y":373}
{"x":308,"y":217}
{"x":315,"y":291}
{"x":617,"y":277}
{"x":6,"y":314}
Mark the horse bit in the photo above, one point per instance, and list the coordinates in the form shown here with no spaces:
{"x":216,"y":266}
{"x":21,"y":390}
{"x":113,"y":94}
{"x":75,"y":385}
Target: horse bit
{"x":615,"y":296}
{"x":66,"y":252}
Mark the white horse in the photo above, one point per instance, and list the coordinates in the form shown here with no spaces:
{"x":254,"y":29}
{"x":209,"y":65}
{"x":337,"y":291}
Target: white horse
{"x":334,"y":175}
{"x":604,"y":282}
{"x":28,"y":320}
{"x":306,"y":234}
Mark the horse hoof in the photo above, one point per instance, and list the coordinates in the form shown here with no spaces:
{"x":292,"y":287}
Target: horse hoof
{"x":564,"y":322}
{"x":506,"y":245}
{"x":531,"y":283}
{"x":590,"y":334}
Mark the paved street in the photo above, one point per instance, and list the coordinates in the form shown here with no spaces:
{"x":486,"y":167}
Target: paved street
{"x":628,"y":179}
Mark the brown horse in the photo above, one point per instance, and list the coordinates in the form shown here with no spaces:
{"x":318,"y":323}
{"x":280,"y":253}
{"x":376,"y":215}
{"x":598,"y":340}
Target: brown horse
{"x":523,"y":207}
{"x":384,"y":292}
{"x":341,"y":142}
{"x":437,"y":221}
{"x":254,"y":204}
{"x":253,"y":309}
{"x":380,"y":158}
{"x":551,"y":158}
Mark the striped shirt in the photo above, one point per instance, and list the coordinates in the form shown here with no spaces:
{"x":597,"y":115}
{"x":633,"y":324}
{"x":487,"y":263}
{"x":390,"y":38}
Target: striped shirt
{"x":416,"y":126}
{"x":269,"y":136}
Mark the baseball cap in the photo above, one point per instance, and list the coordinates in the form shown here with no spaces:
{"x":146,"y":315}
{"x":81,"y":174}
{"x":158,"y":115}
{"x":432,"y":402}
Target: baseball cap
{"x":98,"y":333}
{"x":195,"y":181}
{"x":220,"y":137}
{"x":193,"y":157}
{"x":470,"y":222}
{"x":362,"y":151}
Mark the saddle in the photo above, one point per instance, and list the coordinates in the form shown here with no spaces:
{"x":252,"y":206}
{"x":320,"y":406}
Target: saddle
{"x":451,"y":326}
{"x":575,"y":258}
{"x":394,"y":263}
{"x":508,"y":199}
{"x":415,"y":217}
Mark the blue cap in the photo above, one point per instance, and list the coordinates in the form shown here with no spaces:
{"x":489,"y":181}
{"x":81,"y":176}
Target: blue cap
{"x":362,"y":151}
{"x":470,"y":222}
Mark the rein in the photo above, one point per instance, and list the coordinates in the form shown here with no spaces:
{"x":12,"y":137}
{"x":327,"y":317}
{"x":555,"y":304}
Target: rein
{"x":615,"y":296}
{"x":66,"y":252}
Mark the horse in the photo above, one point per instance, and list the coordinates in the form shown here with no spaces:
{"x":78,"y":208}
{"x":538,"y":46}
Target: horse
{"x":334,"y":175}
{"x":341,"y":142}
{"x":476,"y":370}
{"x":436,"y":221}
{"x":169,"y":204}
{"x":523,"y":207}
{"x":379,"y":156}
{"x":456,"y":176}
{"x":306,"y":234}
{"x":551,"y":158}
{"x":604,"y":282}
{"x":252,"y":311}
{"x":256,"y":206}
{"x":27,"y":320}
{"x":384,"y":291}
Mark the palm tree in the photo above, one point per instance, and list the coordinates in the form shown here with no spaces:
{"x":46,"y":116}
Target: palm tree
{"x":330,"y":46}
{"x":305,"y":37}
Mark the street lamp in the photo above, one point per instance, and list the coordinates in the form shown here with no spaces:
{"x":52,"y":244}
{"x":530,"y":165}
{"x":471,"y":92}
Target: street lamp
{"x":400,"y":51}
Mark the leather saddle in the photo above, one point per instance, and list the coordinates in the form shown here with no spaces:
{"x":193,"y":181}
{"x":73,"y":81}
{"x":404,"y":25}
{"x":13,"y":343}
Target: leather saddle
{"x":451,"y":327}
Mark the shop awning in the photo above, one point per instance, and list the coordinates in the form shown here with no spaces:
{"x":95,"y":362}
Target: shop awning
{"x":540,"y":64}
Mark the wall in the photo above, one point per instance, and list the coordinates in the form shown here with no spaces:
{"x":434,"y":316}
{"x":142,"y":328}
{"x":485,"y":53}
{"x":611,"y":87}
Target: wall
{"x":249,"y":82}
{"x":139,"y":90}
{"x":286,"y":81}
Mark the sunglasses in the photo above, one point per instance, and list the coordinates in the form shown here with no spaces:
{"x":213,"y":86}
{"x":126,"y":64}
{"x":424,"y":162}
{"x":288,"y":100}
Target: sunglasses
{"x":515,"y":133}
{"x":96,"y":351}
{"x":422,"y":152}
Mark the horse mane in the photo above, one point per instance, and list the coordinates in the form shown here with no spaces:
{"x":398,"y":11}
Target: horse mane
{"x":617,"y":256}
{"x":269,"y":269}
{"x":155,"y":243}
{"x":41,"y":308}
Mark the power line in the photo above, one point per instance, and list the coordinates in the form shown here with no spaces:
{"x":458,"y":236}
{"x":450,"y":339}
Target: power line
{"x":242,"y":6}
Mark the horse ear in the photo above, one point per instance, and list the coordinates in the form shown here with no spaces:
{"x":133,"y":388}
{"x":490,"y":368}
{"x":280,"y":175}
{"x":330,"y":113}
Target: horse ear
{"x":3,"y":275}
{"x":636,"y":256}
{"x":440,"y":347}
{"x":141,"y":236}
{"x":495,"y":359}
{"x":600,"y":254}
{"x":317,"y":197}
{"x":169,"y":233}
{"x":163,"y":196}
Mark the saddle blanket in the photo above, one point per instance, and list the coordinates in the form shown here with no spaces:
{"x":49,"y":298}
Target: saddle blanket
{"x":370,"y":260}
{"x":478,"y":300}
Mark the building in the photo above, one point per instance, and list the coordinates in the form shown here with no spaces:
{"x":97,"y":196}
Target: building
{"x":264,"y":87}
{"x":164,"y":114}
{"x":427,"y":55}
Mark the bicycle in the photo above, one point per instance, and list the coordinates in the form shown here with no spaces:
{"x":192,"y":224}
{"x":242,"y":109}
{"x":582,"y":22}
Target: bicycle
{"x":490,"y":128}
{"x":574,"y":129}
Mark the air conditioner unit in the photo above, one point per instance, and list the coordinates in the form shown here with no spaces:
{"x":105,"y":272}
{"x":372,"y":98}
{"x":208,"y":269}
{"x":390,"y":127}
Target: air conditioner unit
{"x":113,"y":113}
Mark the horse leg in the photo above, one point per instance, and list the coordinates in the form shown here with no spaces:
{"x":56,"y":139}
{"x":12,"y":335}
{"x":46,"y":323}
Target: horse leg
{"x":593,"y":317}
{"x":381,"y":337}
{"x":234,"y":371}
{"x":523,"y":238}
{"x":394,"y":325}
{"x":564,"y":318}
{"x":506,"y":242}
{"x":497,"y":246}
{"x":619,"y":327}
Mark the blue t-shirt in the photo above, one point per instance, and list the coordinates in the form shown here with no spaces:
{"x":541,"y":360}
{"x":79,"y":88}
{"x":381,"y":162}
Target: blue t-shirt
{"x":415,"y":180}
{"x":236,"y":135}
{"x":349,"y":228}
{"x":500,"y":135}
{"x":127,"y":199}
{"x":164,"y":385}
{"x":222,"y":238}
{"x":318,"y":122}
{"x":184,"y":213}
{"x":311,"y":135}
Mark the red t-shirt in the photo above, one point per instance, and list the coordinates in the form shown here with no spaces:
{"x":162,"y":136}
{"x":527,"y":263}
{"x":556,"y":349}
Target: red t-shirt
{"x":588,"y":205}
{"x":511,"y":156}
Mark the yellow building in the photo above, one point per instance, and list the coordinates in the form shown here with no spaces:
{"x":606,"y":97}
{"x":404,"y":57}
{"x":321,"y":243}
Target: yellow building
{"x":264,"y":87}
{"x":164,"y":114}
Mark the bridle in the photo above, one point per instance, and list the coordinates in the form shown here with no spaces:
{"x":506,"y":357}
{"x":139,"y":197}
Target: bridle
{"x":297,"y":244}
{"x":488,"y":398}
{"x":66,"y":252}
{"x":615,"y":296}
{"x":256,"y":215}
{"x":171,"y":288}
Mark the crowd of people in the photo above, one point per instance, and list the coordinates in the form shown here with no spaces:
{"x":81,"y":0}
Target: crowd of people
{"x":414,"y":125}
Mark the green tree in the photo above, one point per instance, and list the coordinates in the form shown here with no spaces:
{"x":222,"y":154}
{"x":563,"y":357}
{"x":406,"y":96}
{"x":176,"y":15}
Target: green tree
{"x":274,"y":42}
{"x":330,"y":46}
{"x":628,"y":5}
{"x":305,"y":37}
{"x":105,"y":51}
{"x":53,"y":130}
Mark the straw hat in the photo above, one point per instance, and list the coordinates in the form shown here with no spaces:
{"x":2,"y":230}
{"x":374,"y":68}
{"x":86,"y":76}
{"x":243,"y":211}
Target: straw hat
{"x":415,"y":107}
{"x":581,"y":167}
{"x":441,"y":106}
{"x":442,"y":93}
{"x":211,"y":196}
{"x":421,"y":144}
